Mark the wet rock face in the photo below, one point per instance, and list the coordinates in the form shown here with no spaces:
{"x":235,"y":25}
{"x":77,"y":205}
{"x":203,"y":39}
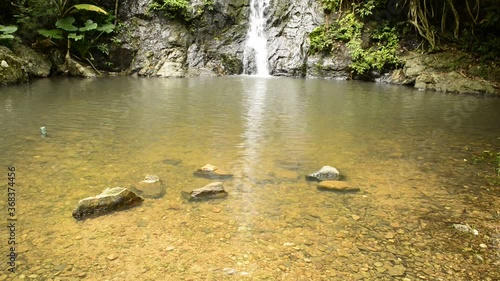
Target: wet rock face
{"x":211,"y":45}
{"x":290,"y":23}
{"x":214,"y":190}
{"x":215,"y":42}
{"x":159,"y":46}
{"x":110,"y":200}
{"x":335,"y":66}
{"x":324,"y":174}
{"x":36,"y":64}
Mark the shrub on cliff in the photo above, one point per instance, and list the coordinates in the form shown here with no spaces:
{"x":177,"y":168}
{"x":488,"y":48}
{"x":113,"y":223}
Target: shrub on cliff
{"x":371,"y":48}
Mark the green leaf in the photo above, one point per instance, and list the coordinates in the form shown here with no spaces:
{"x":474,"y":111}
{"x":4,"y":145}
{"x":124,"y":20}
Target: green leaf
{"x":66,"y":24}
{"x":75,"y":36}
{"x":6,"y":36}
{"x":52,"y":33}
{"x":108,"y":28}
{"x":88,"y":7}
{"x":89,"y":25}
{"x":8,"y":29}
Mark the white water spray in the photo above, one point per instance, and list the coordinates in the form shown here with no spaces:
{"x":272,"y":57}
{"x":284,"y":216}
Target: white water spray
{"x":256,"y":43}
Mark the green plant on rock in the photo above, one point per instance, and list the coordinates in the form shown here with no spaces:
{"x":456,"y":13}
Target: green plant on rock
{"x":181,"y":10}
{"x":349,"y":29}
{"x":331,"y":5}
{"x":64,"y":9}
{"x":208,"y":4}
{"x":173,"y":9}
{"x":80,"y":32}
{"x":84,"y":36}
{"x":6,"y":32}
{"x":31,"y":15}
{"x":364,"y":9}
{"x":381,"y":54}
{"x":321,"y":41}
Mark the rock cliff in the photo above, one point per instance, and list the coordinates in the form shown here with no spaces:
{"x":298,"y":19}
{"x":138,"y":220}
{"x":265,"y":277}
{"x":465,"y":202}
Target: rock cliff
{"x":213,"y":44}
{"x":155,"y":45}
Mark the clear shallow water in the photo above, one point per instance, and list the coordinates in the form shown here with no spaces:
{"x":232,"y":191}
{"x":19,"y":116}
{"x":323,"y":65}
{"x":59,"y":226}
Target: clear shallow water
{"x":405,"y":149}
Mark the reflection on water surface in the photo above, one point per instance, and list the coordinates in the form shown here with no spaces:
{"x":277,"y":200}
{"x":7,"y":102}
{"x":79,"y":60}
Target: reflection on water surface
{"x":405,"y":149}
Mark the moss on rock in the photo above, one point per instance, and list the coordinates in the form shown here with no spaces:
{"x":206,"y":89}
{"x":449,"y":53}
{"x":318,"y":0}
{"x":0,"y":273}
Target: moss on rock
{"x":12,"y":69}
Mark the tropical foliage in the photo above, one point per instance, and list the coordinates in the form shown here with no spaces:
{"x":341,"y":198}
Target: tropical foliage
{"x":6,"y":32}
{"x":472,"y":25}
{"x":349,"y":28}
{"x":180,"y":10}
{"x":72,"y":25}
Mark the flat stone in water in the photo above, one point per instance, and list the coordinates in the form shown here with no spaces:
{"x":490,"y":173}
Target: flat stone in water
{"x":151,"y":187}
{"x":397,"y":270}
{"x":208,"y":168}
{"x":110,"y":200}
{"x":289,"y":165}
{"x":337,"y":186}
{"x":389,"y":235}
{"x":59,"y":267}
{"x":213,"y":190}
{"x":212,"y":172}
{"x":230,"y":271}
{"x":172,"y":161}
{"x":265,"y":181}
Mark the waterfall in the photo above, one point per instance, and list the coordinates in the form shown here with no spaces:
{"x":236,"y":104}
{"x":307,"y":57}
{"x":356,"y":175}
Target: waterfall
{"x":256,"y":43}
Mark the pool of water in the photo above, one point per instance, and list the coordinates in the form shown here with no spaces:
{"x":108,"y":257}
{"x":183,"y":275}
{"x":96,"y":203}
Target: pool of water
{"x":410,"y":152}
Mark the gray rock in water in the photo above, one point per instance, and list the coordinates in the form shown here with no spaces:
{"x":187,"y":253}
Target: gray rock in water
{"x":214,"y":190}
{"x":110,"y":200}
{"x":326,"y":173}
{"x":212,"y":172}
{"x":151,"y":187}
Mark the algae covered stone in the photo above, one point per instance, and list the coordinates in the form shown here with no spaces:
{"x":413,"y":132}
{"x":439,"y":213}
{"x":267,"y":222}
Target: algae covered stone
{"x":337,"y":186}
{"x":110,"y":200}
{"x":213,"y":190}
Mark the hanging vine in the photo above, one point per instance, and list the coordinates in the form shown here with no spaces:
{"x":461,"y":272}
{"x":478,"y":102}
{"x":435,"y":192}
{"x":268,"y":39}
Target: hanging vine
{"x":424,"y":15}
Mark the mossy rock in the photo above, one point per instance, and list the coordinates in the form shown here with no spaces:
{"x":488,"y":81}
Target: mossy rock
{"x":12,"y":68}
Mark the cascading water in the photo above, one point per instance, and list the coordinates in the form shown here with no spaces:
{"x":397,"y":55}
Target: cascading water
{"x":256,"y":43}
